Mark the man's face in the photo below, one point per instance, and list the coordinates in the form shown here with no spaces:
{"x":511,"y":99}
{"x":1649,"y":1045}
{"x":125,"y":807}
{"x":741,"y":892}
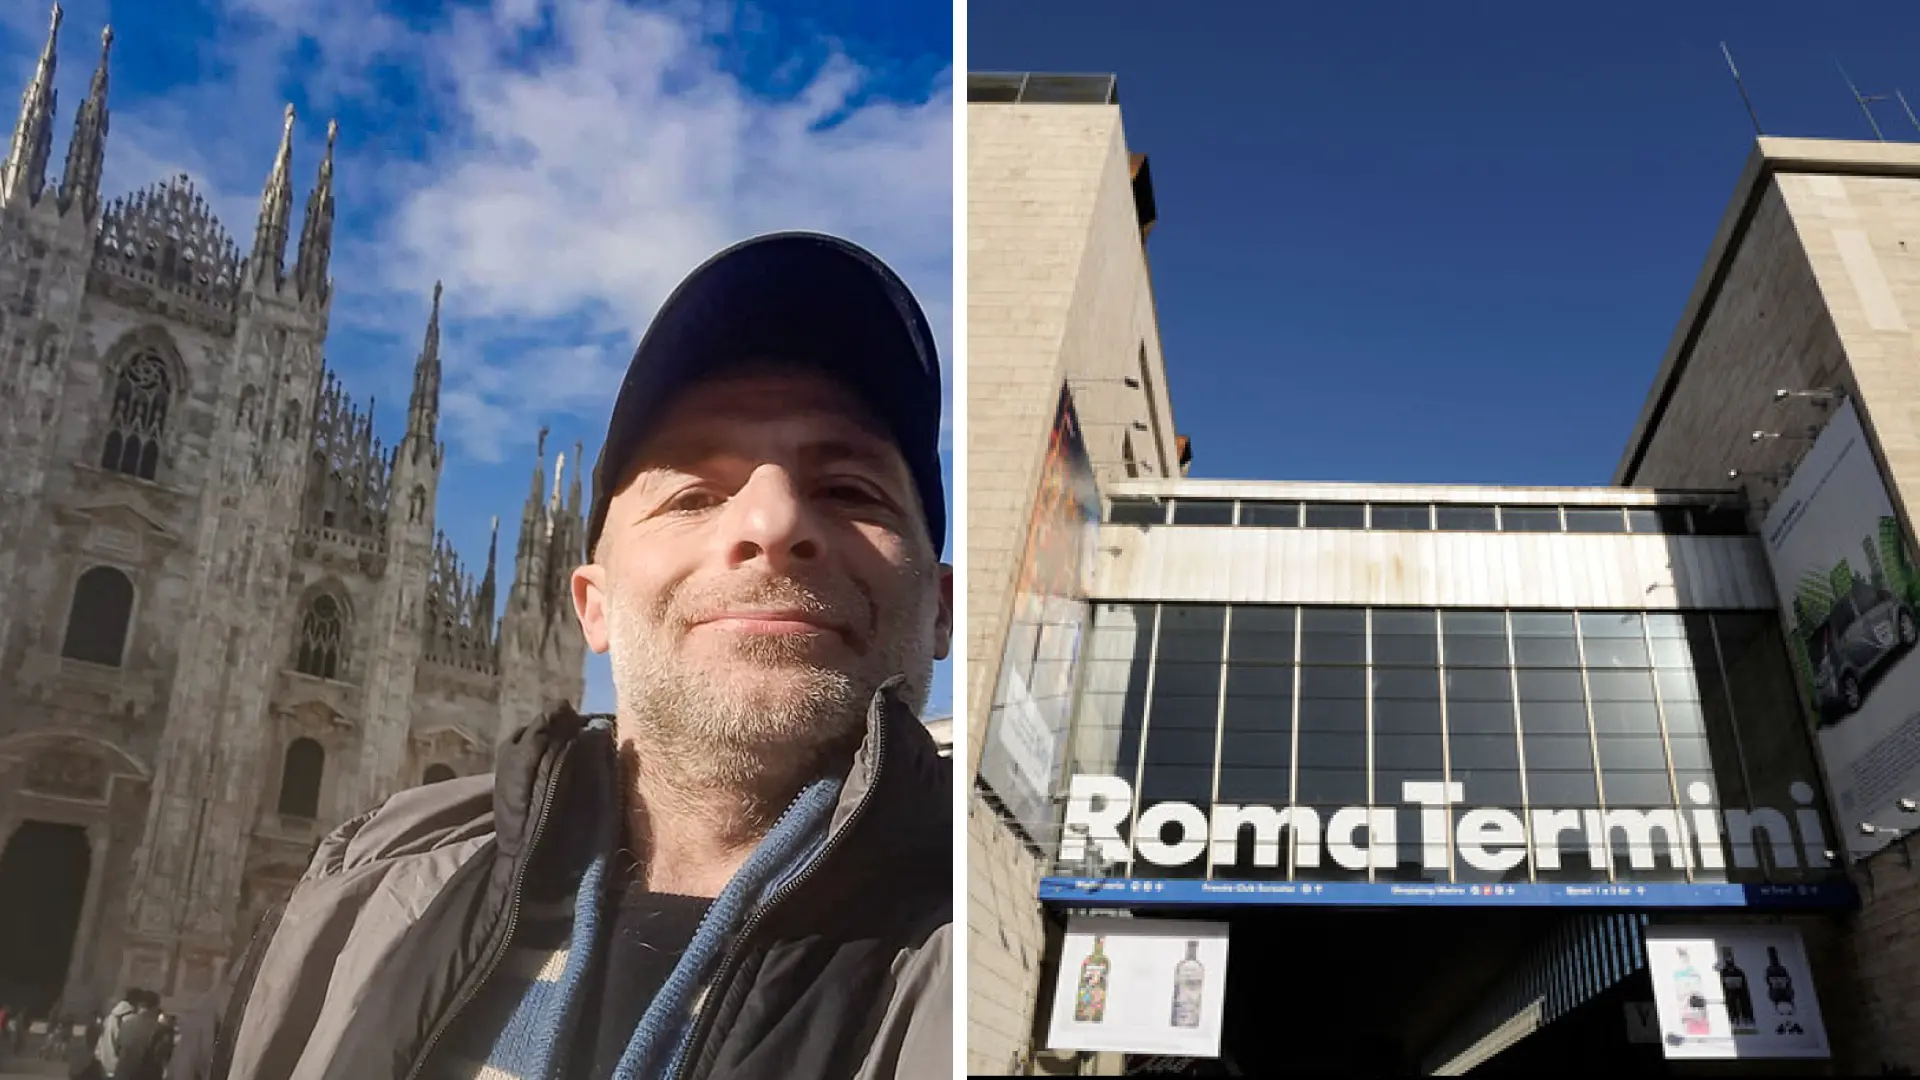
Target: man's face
{"x":763,"y":571}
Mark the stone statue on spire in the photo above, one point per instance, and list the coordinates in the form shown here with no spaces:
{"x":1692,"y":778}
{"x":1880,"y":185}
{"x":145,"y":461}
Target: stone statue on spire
{"x":267,"y":265}
{"x":23,"y":175}
{"x":316,"y":232}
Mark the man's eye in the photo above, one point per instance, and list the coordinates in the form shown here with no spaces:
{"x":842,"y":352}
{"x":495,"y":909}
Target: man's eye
{"x":693,"y":501}
{"x":851,"y":493}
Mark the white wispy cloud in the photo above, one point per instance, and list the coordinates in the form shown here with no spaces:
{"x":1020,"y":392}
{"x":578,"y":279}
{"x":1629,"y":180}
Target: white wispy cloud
{"x":560,"y":165}
{"x":585,"y":180}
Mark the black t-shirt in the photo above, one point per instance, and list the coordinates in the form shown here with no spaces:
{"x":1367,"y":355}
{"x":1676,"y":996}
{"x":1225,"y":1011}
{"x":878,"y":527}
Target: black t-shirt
{"x":650,"y":931}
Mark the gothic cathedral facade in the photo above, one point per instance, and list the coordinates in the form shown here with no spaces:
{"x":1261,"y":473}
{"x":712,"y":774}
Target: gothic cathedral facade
{"x":227,"y":620}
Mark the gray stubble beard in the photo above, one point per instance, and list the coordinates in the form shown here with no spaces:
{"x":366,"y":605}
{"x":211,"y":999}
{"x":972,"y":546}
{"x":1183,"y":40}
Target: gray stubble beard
{"x":712,"y":734}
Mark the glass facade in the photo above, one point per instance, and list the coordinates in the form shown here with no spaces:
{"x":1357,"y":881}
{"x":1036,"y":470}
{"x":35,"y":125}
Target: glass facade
{"x":1463,"y":746}
{"x":1702,"y":520}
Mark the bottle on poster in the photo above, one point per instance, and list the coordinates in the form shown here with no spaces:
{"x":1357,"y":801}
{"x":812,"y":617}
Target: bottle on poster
{"x":1189,"y":978}
{"x":1739,"y":997}
{"x":1090,"y":1001}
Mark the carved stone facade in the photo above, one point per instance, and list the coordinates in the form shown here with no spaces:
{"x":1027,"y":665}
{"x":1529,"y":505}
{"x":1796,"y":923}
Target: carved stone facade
{"x":227,"y":619}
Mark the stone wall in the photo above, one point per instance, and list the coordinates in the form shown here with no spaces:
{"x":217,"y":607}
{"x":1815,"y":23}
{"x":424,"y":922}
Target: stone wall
{"x":1861,"y":235}
{"x":1767,"y":329}
{"x":1884,"y":944}
{"x":1058,"y":292}
{"x":1005,"y":942}
{"x":1822,"y":290}
{"x":1032,"y":176}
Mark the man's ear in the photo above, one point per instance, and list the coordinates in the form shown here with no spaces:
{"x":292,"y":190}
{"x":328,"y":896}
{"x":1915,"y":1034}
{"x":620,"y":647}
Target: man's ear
{"x":590,"y":604}
{"x":943,"y":620}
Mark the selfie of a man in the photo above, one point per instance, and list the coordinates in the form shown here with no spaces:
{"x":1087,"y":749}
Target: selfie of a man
{"x":746,"y":869}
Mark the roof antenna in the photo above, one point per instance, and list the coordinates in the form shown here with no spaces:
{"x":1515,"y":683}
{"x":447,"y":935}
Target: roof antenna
{"x":1751,"y":115}
{"x":1864,"y":101}
{"x":1911,"y":119}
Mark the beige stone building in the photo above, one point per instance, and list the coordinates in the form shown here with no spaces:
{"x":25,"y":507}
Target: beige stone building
{"x":227,"y":619}
{"x":1811,"y":295}
{"x":1807,"y":304}
{"x":1059,"y":293}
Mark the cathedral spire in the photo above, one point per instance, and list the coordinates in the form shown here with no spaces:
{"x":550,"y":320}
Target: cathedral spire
{"x":573,"y":495}
{"x":24,"y":173}
{"x":316,"y":233}
{"x":268,"y":261}
{"x":487,"y":586}
{"x":423,"y":411}
{"x":87,"y":152}
{"x":539,"y":471}
{"x":570,"y":533}
{"x":528,"y":553}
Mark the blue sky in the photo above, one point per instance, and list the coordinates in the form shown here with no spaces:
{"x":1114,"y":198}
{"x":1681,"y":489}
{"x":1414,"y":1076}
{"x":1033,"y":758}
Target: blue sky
{"x":559,"y":165}
{"x":1442,"y":242}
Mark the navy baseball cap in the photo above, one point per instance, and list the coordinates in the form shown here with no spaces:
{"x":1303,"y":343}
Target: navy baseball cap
{"x":793,"y":297}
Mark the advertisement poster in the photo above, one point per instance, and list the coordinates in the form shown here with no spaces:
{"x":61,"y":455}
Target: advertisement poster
{"x":1140,"y":986}
{"x":1734,"y":992}
{"x":1033,"y":698}
{"x":1844,"y":571}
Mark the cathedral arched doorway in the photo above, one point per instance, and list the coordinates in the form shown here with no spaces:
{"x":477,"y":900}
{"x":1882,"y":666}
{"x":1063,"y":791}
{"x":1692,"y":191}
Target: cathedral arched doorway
{"x":43,"y":888}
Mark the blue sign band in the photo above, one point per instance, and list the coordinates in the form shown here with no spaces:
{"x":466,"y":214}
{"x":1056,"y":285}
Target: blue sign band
{"x":1140,"y":892}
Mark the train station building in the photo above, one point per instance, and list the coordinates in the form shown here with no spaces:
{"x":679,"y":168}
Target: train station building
{"x":1304,"y":777}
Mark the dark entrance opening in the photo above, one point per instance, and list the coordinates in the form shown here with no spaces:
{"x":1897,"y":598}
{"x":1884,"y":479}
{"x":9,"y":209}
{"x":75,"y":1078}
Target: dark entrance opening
{"x":1358,"y":992}
{"x":43,"y":882}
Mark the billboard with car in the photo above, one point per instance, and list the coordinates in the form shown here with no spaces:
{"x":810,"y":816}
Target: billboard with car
{"x":1850,"y":599}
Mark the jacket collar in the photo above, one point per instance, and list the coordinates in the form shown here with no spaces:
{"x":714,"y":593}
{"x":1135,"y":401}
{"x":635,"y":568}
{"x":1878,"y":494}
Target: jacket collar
{"x":525,"y":767}
{"x":909,"y":785}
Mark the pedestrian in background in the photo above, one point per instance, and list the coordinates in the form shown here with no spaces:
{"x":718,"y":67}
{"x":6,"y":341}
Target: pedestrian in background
{"x":142,"y":1043}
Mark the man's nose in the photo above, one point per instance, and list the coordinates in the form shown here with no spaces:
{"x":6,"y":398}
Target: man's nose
{"x":769,"y":519}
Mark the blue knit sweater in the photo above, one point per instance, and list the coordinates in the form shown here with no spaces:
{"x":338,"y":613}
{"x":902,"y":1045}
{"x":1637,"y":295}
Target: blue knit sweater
{"x":521,"y":1024}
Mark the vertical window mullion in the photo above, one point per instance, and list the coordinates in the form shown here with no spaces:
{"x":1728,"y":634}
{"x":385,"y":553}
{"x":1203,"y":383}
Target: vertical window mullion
{"x":1593,"y":744}
{"x":1685,"y":832}
{"x":1219,"y":723}
{"x":1733,"y":716}
{"x":1366,"y":625}
{"x":1146,"y":729}
{"x":1520,"y":745}
{"x":1446,"y":740}
{"x":1293,"y":755}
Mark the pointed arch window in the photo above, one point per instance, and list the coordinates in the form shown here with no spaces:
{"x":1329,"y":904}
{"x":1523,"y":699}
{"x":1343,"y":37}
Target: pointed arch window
{"x":137,"y":422}
{"x":436,"y":773}
{"x":98,"y":619}
{"x":322,"y":647}
{"x":300,"y":779}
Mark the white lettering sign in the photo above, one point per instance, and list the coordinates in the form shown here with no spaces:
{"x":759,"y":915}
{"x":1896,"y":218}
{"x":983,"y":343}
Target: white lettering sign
{"x":1489,"y":839}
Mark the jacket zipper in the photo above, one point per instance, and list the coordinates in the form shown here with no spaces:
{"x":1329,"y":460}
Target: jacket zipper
{"x":717,"y":988}
{"x":513,"y":922}
{"x":219,"y":1058}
